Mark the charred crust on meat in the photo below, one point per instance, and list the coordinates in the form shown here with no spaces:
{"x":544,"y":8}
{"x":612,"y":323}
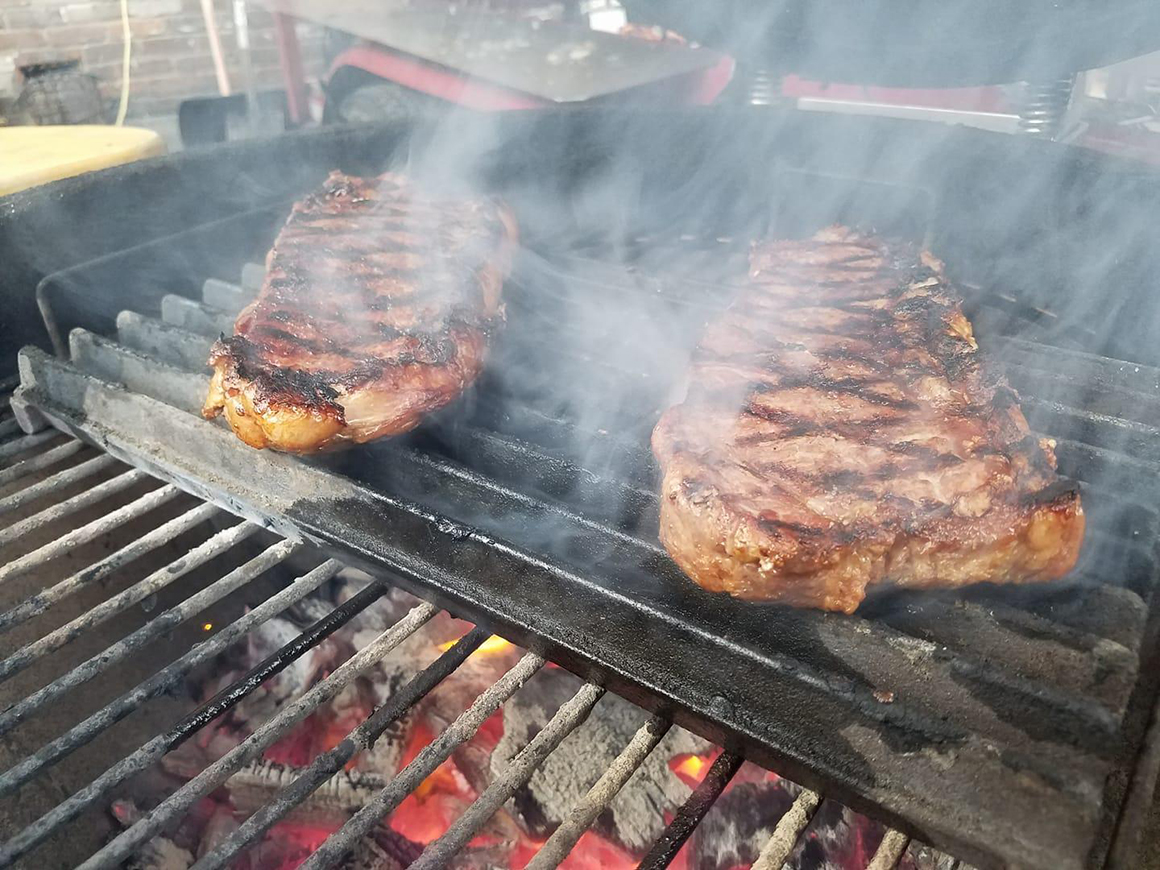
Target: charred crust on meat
{"x":379,"y":297}
{"x":1059,"y":494}
{"x":841,"y":430}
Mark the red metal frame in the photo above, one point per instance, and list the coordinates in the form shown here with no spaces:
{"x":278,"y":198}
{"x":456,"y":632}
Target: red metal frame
{"x":435,"y":81}
{"x":290,"y":59}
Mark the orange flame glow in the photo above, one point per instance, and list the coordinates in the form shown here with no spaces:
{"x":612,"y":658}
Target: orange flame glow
{"x":692,"y":766}
{"x":493,"y":644}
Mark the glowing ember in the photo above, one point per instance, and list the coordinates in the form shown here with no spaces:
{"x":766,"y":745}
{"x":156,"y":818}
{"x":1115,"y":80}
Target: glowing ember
{"x":493,"y":644}
{"x":514,"y":834}
{"x":691,"y":768}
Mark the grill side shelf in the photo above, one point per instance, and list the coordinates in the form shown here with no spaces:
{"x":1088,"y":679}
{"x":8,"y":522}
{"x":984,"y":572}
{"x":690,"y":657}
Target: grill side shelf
{"x":815,"y":725}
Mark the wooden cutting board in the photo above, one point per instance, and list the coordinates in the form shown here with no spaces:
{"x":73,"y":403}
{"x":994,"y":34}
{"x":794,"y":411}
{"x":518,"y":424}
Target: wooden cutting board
{"x":36,"y":155}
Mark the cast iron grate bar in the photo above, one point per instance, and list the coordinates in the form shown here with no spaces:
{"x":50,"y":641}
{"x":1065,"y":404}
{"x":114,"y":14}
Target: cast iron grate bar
{"x":88,"y":532}
{"x":600,"y":796}
{"x":424,"y":764}
{"x":69,"y":506}
{"x":41,"y":601}
{"x":789,"y":828}
{"x":57,"y":482}
{"x":138,"y":592}
{"x":169,"y":676}
{"x":15,"y":446}
{"x":564,"y":722}
{"x":39,"y":462}
{"x":173,"y":807}
{"x":571,"y":713}
{"x":691,"y":812}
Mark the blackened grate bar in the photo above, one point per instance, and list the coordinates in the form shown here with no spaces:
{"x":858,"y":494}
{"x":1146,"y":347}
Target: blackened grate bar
{"x":691,"y":812}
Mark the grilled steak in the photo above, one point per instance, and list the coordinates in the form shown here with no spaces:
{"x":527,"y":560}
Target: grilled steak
{"x":375,"y":311}
{"x":840,"y":431}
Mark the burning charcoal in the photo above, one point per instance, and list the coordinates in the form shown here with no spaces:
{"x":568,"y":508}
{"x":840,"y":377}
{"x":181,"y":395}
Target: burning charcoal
{"x":384,"y":756}
{"x":455,"y":694}
{"x":218,"y":828}
{"x":383,"y":849}
{"x":160,"y":853}
{"x":294,"y":679}
{"x":443,"y":797}
{"x":380,"y":614}
{"x":188,"y":760}
{"x":837,"y":838}
{"x":740,"y":823}
{"x":256,"y":784}
{"x":311,"y":609}
{"x":920,"y":857}
{"x":350,"y":707}
{"x":636,"y":816}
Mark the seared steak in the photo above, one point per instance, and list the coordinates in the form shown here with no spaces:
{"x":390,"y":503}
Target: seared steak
{"x":375,"y":311}
{"x":840,"y":431}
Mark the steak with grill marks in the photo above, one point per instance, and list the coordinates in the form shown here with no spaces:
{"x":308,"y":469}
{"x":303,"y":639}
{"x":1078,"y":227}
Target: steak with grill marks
{"x":841,"y":431}
{"x":376,"y":310}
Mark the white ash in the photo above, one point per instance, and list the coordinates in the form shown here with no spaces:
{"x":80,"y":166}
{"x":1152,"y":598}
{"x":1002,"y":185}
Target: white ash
{"x":382,"y":613}
{"x":159,"y":853}
{"x":291,"y":681}
{"x":637,"y":814}
{"x":259,"y":782}
{"x":218,"y":828}
{"x":832,"y":838}
{"x":740,"y":823}
{"x":920,"y":857}
{"x":311,"y":609}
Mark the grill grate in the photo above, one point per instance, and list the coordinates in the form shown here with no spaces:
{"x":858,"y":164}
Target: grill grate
{"x":44,"y":492}
{"x":956,"y":713}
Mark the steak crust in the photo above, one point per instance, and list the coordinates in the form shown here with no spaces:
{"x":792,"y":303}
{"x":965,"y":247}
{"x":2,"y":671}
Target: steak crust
{"x":840,"y":431}
{"x":376,"y":311}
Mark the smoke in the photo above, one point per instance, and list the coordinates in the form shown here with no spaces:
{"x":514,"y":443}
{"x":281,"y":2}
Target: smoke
{"x":635,"y":229}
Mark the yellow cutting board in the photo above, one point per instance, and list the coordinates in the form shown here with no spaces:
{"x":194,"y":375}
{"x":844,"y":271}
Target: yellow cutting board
{"x":35,"y":155}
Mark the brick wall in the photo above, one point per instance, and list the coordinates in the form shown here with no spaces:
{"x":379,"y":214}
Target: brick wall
{"x":170,"y":56}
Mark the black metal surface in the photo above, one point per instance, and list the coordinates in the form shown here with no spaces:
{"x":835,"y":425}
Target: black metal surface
{"x":665,"y":849}
{"x":1006,"y":710}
